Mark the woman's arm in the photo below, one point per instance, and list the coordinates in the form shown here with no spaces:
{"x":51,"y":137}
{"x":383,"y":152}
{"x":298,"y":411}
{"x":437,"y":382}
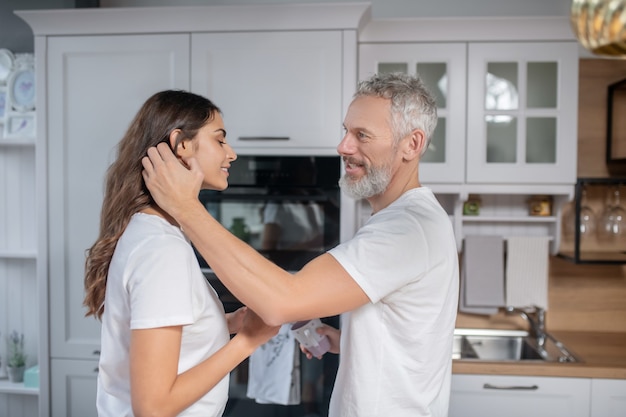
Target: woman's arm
{"x":156,"y":387}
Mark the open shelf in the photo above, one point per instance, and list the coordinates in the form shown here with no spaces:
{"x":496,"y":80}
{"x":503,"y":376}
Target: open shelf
{"x":8,"y":387}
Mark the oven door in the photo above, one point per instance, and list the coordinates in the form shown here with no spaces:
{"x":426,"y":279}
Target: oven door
{"x":285,"y":207}
{"x":288,"y":209}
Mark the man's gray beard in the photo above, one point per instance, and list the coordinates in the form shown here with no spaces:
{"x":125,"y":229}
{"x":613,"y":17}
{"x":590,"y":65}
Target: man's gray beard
{"x":374,"y":182}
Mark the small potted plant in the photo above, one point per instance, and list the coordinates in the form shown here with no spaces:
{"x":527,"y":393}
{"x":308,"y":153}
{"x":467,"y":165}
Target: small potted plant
{"x":16,"y":358}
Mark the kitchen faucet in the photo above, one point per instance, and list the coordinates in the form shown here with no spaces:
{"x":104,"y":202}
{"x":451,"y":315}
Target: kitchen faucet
{"x":536,"y":317}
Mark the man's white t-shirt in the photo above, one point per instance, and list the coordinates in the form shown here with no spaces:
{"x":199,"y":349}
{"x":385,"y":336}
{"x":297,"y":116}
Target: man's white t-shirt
{"x":154,"y":281}
{"x":396,"y":351}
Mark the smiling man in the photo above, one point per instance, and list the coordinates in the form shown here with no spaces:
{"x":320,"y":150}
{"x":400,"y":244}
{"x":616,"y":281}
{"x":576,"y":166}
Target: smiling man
{"x":395,"y":281}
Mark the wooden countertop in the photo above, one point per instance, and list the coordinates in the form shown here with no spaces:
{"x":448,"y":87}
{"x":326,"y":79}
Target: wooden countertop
{"x":602,"y":355}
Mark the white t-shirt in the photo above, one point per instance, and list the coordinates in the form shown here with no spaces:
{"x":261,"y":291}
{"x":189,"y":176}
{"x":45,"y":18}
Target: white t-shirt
{"x":396,"y":351}
{"x":154,"y":281}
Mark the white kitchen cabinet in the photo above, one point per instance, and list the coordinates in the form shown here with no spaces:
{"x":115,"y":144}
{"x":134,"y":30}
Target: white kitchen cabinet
{"x":73,"y":387}
{"x":277,"y":90}
{"x":522,"y":105}
{"x":519,"y":396}
{"x":608,"y":398}
{"x":96,"y":68}
{"x":442,"y":67}
{"x":96,"y":84}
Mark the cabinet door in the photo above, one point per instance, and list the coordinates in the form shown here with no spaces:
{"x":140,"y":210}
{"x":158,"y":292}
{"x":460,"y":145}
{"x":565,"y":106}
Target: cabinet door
{"x":73,"y":388}
{"x":276,"y":89}
{"x":442,"y":68}
{"x":95,"y":87}
{"x":608,"y":398}
{"x":522,"y":112}
{"x":517,"y":396}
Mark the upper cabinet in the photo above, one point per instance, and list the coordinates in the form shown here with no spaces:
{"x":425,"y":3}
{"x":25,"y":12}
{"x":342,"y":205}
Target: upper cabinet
{"x":521,"y":112}
{"x":275,"y":89}
{"x":282,"y":75}
{"x":506,"y":90}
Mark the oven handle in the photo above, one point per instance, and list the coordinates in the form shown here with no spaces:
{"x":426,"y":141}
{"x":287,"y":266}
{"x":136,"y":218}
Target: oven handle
{"x":263,"y":138}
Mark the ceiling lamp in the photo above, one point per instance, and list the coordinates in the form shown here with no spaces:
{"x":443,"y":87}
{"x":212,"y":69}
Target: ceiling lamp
{"x":600,"y":26}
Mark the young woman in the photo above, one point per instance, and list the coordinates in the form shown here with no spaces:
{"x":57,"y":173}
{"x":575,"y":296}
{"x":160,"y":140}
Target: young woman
{"x":166,"y":349}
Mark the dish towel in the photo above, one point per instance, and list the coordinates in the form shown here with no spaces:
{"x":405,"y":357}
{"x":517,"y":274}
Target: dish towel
{"x":527,"y":271}
{"x":482,"y":275}
{"x":274,"y":370}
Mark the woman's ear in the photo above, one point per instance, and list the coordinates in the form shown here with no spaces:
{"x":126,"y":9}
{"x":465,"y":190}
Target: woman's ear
{"x":183,"y":148}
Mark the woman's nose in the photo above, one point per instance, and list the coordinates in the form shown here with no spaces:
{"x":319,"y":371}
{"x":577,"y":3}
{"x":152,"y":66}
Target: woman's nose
{"x":231,"y":153}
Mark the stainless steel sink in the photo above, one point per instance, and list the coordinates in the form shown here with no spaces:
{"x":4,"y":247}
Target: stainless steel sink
{"x":507,"y":345}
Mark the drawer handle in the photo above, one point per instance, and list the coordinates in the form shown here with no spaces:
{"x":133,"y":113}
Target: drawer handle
{"x":96,"y":370}
{"x":264,"y":138}
{"x":96,"y":352}
{"x":512,"y":387}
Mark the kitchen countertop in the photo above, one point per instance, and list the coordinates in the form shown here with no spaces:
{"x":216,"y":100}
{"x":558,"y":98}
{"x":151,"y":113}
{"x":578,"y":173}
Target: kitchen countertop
{"x":602,"y":355}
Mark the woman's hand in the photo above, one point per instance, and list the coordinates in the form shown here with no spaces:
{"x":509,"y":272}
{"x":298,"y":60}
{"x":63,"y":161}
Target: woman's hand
{"x":255,"y":330}
{"x":235,"y":319}
{"x":334,"y":335}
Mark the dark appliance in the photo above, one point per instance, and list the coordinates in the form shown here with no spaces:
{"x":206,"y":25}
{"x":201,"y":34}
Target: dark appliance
{"x":288,"y":209}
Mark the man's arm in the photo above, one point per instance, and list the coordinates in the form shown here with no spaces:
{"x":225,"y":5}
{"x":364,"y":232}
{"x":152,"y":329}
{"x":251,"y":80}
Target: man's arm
{"x":321,"y":289}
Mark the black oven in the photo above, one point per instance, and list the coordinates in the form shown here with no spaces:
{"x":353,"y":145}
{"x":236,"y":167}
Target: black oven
{"x":288,"y":209}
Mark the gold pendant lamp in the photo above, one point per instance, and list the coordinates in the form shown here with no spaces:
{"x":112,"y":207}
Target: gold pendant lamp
{"x":600,"y":26}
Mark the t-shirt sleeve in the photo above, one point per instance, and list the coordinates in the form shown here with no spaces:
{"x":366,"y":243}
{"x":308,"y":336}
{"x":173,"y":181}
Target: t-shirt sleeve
{"x":159,"y":283}
{"x":384,"y":255}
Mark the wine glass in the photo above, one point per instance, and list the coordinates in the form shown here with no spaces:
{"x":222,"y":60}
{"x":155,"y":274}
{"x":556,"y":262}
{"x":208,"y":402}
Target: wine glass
{"x":587,"y":218}
{"x":612,"y":223}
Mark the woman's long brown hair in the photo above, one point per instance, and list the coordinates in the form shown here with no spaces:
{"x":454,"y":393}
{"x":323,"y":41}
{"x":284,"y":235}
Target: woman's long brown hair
{"x":125,"y":192}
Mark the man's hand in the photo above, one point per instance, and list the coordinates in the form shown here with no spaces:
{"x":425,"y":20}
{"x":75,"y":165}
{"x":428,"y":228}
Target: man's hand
{"x":171,"y":184}
{"x":334,"y":335}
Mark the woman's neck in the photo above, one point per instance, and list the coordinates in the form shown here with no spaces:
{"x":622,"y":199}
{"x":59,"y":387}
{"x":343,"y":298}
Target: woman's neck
{"x":157,"y":211}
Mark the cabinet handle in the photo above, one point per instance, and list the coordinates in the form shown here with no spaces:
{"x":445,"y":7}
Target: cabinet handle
{"x":264,"y":138}
{"x":96,"y":352}
{"x":512,"y":387}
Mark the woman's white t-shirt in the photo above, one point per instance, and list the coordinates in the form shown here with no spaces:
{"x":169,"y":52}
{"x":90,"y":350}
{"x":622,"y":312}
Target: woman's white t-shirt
{"x":396,"y":351}
{"x":155,"y":281}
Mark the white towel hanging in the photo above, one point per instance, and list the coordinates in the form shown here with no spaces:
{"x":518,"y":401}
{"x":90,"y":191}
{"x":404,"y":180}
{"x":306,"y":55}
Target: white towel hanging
{"x":274,"y":370}
{"x":527,"y":271}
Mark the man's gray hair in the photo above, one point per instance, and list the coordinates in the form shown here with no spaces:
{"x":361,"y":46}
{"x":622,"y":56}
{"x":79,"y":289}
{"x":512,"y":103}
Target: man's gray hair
{"x":412,"y":104}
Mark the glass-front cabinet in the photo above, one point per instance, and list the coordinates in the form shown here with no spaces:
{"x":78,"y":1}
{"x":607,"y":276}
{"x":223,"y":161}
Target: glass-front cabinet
{"x":442,"y":68}
{"x":507,"y":131}
{"x":521,"y":111}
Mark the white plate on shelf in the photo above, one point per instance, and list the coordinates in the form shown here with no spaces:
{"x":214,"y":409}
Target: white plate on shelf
{"x":21,"y":90}
{"x":7,"y":60}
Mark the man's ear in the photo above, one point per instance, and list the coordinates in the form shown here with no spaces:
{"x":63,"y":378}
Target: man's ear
{"x":413,"y":145}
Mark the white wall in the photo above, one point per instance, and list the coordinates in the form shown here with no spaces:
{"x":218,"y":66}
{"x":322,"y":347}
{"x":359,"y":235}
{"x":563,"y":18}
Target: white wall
{"x":398,"y":8}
